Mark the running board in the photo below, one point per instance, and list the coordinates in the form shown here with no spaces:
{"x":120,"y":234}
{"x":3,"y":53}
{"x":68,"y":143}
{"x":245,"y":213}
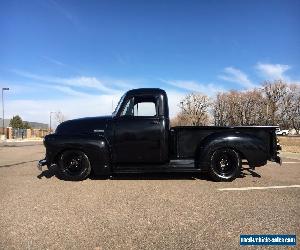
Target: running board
{"x":187,"y":166}
{"x":157,"y":170}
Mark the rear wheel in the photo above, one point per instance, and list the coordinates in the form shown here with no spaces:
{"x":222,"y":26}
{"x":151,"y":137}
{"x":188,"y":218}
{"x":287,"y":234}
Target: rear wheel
{"x":225,"y":165}
{"x":74,"y":165}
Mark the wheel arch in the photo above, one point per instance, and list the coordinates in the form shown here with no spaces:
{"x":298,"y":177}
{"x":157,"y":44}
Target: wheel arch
{"x":96,"y":149}
{"x":248,"y":147}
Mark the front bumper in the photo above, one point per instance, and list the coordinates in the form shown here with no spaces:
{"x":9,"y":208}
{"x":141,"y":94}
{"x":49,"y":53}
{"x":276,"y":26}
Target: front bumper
{"x":41,"y":163}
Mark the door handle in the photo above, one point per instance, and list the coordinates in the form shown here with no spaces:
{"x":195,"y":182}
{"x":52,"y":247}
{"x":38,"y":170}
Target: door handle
{"x":154,"y":122}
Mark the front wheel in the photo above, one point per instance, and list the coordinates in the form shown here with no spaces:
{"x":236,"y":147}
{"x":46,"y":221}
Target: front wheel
{"x":73,"y":165}
{"x":225,"y":165}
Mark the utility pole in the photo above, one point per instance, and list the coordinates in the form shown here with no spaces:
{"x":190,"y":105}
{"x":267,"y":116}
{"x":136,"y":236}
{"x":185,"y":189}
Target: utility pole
{"x":3,"y":89}
{"x":50,"y":122}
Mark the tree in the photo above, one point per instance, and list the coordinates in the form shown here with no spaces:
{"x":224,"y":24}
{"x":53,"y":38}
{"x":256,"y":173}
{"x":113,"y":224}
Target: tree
{"x":274,"y":93}
{"x":59,"y":117}
{"x":179,"y":120}
{"x":219,"y":110}
{"x":254,"y":107}
{"x":26,"y":125}
{"x":289,"y":109}
{"x":276,"y":103}
{"x":228,"y":109}
{"x":266,"y":106}
{"x":296,"y":109}
{"x":16,"y":122}
{"x":194,"y":110}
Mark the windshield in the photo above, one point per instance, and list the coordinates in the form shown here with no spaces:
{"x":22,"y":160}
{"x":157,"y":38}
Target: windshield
{"x":119,"y":104}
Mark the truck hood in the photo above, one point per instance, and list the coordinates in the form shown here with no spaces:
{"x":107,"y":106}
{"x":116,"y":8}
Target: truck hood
{"x":88,"y":125}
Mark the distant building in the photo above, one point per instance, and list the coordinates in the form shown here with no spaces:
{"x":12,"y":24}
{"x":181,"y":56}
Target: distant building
{"x":34,"y":125}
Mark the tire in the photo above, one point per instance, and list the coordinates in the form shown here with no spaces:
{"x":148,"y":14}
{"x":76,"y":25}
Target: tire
{"x":225,"y":165}
{"x":73,"y":165}
{"x":283,"y":133}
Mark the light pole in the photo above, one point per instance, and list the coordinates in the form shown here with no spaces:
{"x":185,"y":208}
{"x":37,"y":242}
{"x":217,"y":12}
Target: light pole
{"x":50,"y":121}
{"x":3,"y":89}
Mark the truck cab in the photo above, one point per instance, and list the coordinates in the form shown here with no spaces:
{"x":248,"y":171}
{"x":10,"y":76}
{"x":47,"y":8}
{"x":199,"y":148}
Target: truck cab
{"x":137,"y":138}
{"x":141,"y":127}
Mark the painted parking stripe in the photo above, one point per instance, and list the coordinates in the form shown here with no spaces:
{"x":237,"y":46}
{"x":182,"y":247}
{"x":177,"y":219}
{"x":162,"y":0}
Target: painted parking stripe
{"x":287,"y":162}
{"x":257,"y":188}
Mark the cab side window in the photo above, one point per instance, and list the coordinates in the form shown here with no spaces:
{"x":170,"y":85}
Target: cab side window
{"x":141,"y":106}
{"x":145,"y":109}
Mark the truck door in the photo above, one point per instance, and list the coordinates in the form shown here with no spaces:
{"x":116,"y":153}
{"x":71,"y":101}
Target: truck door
{"x":138,"y":131}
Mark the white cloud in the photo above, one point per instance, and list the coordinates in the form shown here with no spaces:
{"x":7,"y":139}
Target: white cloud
{"x":208,"y":89}
{"x":70,"y":91}
{"x":72,"y":107}
{"x":273,"y":71}
{"x":79,"y":81}
{"x":235,"y":75}
{"x":36,"y":88}
{"x":84,"y":96}
{"x":54,"y":61}
{"x":89,"y":82}
{"x":75,"y":104}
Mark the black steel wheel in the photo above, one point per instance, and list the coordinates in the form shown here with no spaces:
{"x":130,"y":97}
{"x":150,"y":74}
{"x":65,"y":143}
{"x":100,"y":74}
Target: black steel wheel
{"x":74,"y":165}
{"x":225,"y":165}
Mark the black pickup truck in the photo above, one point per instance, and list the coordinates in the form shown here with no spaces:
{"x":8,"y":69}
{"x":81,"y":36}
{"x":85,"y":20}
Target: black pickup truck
{"x":137,"y":138}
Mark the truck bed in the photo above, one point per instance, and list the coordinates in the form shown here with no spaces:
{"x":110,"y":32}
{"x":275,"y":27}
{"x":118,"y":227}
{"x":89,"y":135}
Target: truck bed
{"x":185,"y":139}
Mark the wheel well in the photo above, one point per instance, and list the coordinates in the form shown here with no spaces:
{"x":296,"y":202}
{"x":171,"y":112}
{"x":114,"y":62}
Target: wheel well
{"x":59,"y":153}
{"x":236,"y":150}
{"x":242,"y":156}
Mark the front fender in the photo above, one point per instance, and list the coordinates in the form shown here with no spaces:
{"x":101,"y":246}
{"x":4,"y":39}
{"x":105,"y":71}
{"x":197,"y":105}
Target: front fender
{"x":248,"y":146}
{"x":95,"y":147}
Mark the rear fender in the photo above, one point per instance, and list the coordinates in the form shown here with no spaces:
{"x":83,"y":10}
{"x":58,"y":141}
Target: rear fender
{"x":248,"y":146}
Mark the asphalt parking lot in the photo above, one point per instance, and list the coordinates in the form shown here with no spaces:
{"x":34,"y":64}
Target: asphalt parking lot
{"x":165,"y":211}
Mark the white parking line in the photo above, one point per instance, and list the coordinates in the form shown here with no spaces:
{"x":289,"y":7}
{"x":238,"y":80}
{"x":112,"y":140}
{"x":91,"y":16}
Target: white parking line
{"x":257,"y":188}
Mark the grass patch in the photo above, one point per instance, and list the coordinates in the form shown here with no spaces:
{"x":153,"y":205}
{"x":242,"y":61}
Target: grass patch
{"x":290,"y":143}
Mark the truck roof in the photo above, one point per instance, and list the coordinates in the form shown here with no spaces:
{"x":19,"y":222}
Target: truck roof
{"x":151,"y":91}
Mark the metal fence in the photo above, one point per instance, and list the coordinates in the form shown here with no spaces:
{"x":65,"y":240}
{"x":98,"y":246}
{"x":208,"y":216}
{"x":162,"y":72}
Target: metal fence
{"x":19,"y":133}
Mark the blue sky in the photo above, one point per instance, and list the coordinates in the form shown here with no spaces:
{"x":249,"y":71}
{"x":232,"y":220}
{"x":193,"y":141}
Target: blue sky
{"x":79,"y":56}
